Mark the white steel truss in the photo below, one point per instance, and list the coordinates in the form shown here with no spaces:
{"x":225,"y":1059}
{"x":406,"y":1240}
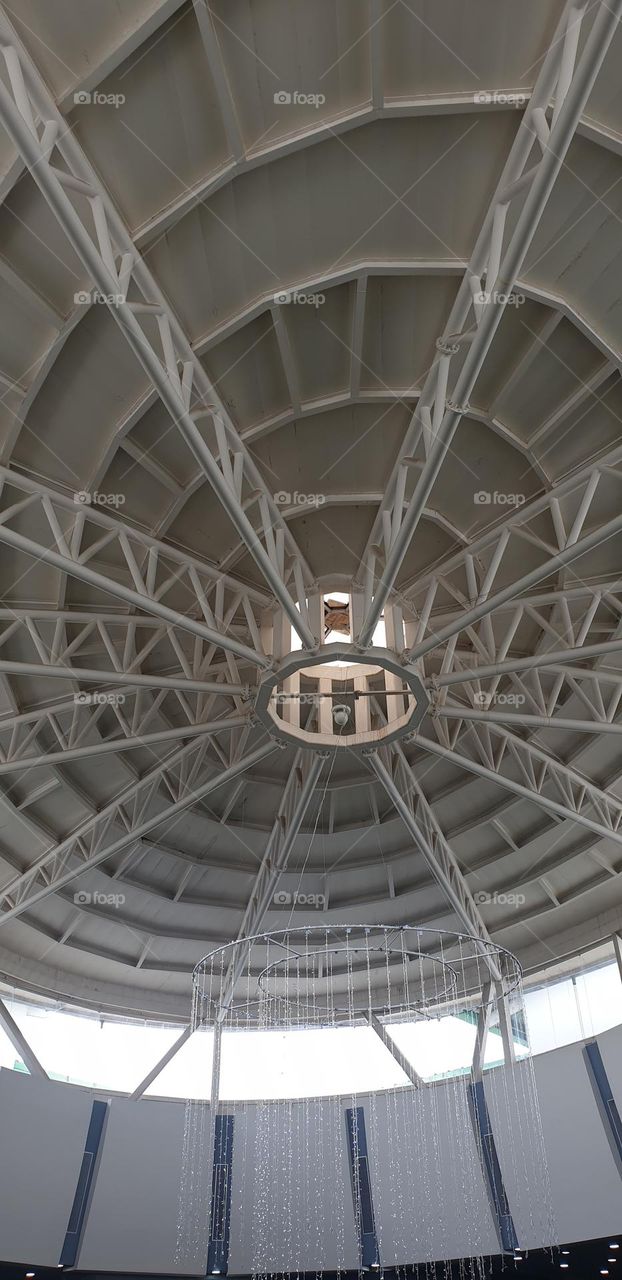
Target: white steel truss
{"x":141,"y":652}
{"x":485,"y":289}
{"x":103,"y":243}
{"x":89,"y":725}
{"x":539,"y":777}
{"x":140,"y":807}
{"x":213,"y":603}
{"x":554,"y":525}
{"x":419,"y":819}
{"x":295,"y":801}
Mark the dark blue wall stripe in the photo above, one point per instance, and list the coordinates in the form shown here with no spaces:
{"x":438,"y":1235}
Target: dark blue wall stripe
{"x":491,"y":1167}
{"x":220,"y":1218}
{"x":604,"y":1098}
{"x":361,"y":1188}
{"x":77,"y":1217}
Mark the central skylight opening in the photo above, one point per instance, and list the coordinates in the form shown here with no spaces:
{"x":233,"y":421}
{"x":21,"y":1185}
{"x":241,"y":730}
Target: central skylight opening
{"x":338,"y":626}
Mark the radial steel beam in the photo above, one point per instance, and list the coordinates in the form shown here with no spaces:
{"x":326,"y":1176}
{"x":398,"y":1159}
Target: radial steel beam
{"x":419,"y":820}
{"x":579,"y":798}
{"x":439,"y":410}
{"x":488,"y":605}
{"x":161,"y":1064}
{"x":402,"y":1061}
{"x":519,"y":719}
{"x":103,"y":244}
{"x":20,"y":1044}
{"x":484,"y":1016}
{"x":119,"y":744}
{"x":91,"y":675}
{"x":549,"y":658}
{"x":95,"y":840}
{"x":294,"y":804}
{"x":63,"y":645}
{"x":153,"y":568}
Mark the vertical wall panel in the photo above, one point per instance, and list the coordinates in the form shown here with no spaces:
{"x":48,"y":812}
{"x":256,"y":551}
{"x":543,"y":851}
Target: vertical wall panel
{"x":303,"y":1202}
{"x":132,"y":1222}
{"x":430,"y":1199}
{"x":43,"y":1128}
{"x":585,"y":1190}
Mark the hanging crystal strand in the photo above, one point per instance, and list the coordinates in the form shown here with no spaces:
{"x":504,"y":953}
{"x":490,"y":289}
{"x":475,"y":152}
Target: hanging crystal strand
{"x":349,"y":979}
{"x":397,"y":1102}
{"x":498,"y":1090}
{"x":257,"y":1232}
{"x":468,"y":980}
{"x":417,"y":1189}
{"x":367,"y":1001}
{"x":338,"y":1142}
{"x":542,"y":1154}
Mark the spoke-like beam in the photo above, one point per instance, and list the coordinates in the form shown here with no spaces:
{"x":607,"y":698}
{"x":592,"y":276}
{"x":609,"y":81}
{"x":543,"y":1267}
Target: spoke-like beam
{"x":484,"y":1016}
{"x":389,"y":1043}
{"x":20,"y":1043}
{"x":129,"y":649}
{"x":487,"y":286}
{"x":163,"y":1062}
{"x":552,"y":524}
{"x":121,"y":823}
{"x":545,"y":781}
{"x":152,"y":571}
{"x":419,"y":820}
{"x":103,"y":244}
{"x":553,"y":658}
{"x":574,"y":548}
{"x":294,"y":804}
{"x":74,"y":723}
{"x":522,"y":719}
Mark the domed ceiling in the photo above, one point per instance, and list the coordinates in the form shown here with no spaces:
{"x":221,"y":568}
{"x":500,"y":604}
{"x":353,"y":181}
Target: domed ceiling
{"x":306,"y":303}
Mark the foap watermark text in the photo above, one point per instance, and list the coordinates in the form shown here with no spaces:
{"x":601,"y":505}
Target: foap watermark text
{"x":483,"y":498}
{"x":285,"y":499}
{"x":282,"y":898}
{"x":83,"y":898}
{"x":487,"y":700}
{"x":296,"y":98}
{"x":97,"y":499}
{"x":298,"y":297}
{"x":482,"y":898}
{"x":95,"y":98}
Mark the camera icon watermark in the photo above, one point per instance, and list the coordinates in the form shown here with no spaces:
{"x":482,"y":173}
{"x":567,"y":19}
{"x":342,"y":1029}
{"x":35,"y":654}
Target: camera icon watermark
{"x":83,"y":898}
{"x":483,"y":498}
{"x":316,"y":901}
{"x":297,"y":297}
{"x":86,"y":98}
{"x":482,"y":898}
{"x":296,"y":499}
{"x":282,"y":98}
